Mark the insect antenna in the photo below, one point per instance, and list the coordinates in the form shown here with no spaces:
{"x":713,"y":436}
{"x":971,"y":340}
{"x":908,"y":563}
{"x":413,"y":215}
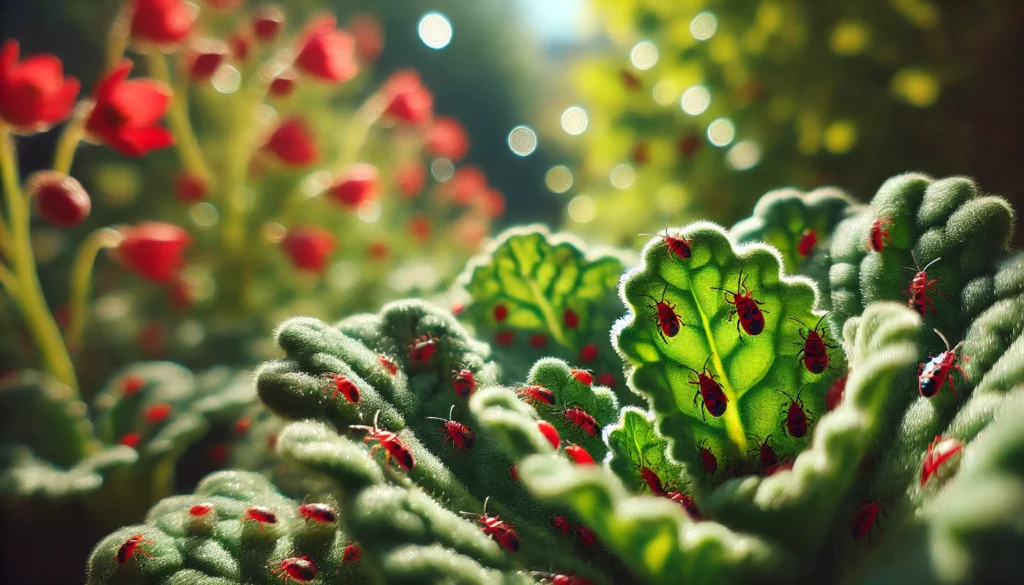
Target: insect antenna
{"x":450,"y":410}
{"x":944,"y":340}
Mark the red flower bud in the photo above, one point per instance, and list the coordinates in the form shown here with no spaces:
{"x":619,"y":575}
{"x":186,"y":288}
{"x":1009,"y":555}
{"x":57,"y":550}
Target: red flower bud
{"x":267,"y":22}
{"x":447,"y":138}
{"x":356,"y":186}
{"x":161,"y":21}
{"x":283,"y":85}
{"x":366,"y":30}
{"x":126,"y":113}
{"x":326,"y":53}
{"x":309,"y":248}
{"x":292,"y":143}
{"x":189,"y":188}
{"x":205,"y":57}
{"x":464,"y":186}
{"x":419,"y":227}
{"x":61,"y":199}
{"x":411,"y":179}
{"x":241,"y":45}
{"x":34,"y":94}
{"x":407,"y":100}
{"x":549,"y":432}
{"x":154,"y":251}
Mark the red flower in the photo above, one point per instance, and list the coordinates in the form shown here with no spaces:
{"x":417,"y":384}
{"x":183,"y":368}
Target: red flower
{"x":34,"y":94}
{"x":189,"y":188}
{"x":267,"y":22}
{"x":447,"y":138}
{"x":161,"y":21}
{"x":126,"y":113}
{"x":292,"y":142}
{"x":466,"y":184}
{"x":356,"y":186}
{"x":411,"y":179}
{"x":205,"y":57}
{"x":309,"y":248}
{"x":407,"y":100}
{"x":366,"y":30}
{"x":61,"y":199}
{"x":154,"y":250}
{"x":283,"y":85}
{"x":327,"y":53}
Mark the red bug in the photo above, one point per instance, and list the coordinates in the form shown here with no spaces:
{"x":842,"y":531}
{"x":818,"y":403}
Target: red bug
{"x":502,"y":532}
{"x":579,"y":418}
{"x":707,"y":458}
{"x":879,"y":237}
{"x":132,"y":546}
{"x":455,"y":432}
{"x":504,"y":337}
{"x":684,"y":500}
{"x":785,"y":465}
{"x":579,"y":454}
{"x":242,"y":425}
{"x":677,"y":246}
{"x":606,"y":379}
{"x":562,"y":525}
{"x":864,"y":519}
{"x":550,"y":433}
{"x":464,"y":383}
{"x":939,"y":452}
{"x":200,"y":510}
{"x":815,"y":347}
{"x":261,"y":515}
{"x":920,"y":287}
{"x":513,"y":472}
{"x":535,"y":394}
{"x":422,"y":348}
{"x":560,"y":579}
{"x":669,"y":322}
{"x":765,"y":451}
{"x":350,"y":554}
{"x":751,"y":317}
{"x":299,"y":569}
{"x":588,"y":353}
{"x":713,"y":398}
{"x":652,"y":480}
{"x":538,"y":341}
{"x":932,"y":375}
{"x":571,"y":319}
{"x":318,"y":512}
{"x":393,"y":446}
{"x":584,"y":377}
{"x":795,"y":419}
{"x":131,"y":384}
{"x":834,"y":394}
{"x":388,"y":365}
{"x":808,"y":240}
{"x":130,"y":440}
{"x":158,"y":413}
{"x":500,"y":312}
{"x":586,"y":536}
{"x":342,"y":385}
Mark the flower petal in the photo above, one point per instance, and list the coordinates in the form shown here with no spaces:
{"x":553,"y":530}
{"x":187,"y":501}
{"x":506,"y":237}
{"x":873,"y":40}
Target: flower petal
{"x":143,"y":101}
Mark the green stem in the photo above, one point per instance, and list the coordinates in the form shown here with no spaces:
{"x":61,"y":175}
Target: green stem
{"x":189,"y":150}
{"x":31,"y":301}
{"x":117,"y":37}
{"x":67,"y":145}
{"x":10,"y":282}
{"x":81,"y":281}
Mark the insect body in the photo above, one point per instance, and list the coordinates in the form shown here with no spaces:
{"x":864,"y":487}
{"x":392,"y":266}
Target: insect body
{"x":707,"y":459}
{"x":579,"y":454}
{"x":342,"y":385}
{"x":318,"y":512}
{"x":550,"y":433}
{"x":586,"y":536}
{"x":580,"y":419}
{"x":669,"y":322}
{"x":920,"y":287}
{"x":200,"y":510}
{"x":713,"y":399}
{"x":131,"y":546}
{"x":686,"y":502}
{"x":939,"y":452}
{"x":562,"y":525}
{"x":464,"y":383}
{"x":879,"y":237}
{"x":388,"y":365}
{"x":815,"y":347}
{"x":864,"y":519}
{"x":765,"y":451}
{"x":393,"y":446}
{"x":502,"y":532}
{"x":932,"y":375}
{"x":560,"y":579}
{"x":535,"y":394}
{"x":584,"y":377}
{"x":350,"y":554}
{"x":422,"y":348}
{"x":808,"y":240}
{"x":652,"y":480}
{"x":571,"y":319}
{"x":455,"y":432}
{"x":795,"y":420}
{"x":261,"y":515}
{"x":299,"y":569}
{"x":834,"y":394}
{"x":677,"y":246}
{"x":751,"y":317}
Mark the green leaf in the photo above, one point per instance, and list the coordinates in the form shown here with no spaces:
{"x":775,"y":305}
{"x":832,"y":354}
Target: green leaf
{"x":58,"y":430}
{"x":635,"y":444}
{"x":752,"y":370}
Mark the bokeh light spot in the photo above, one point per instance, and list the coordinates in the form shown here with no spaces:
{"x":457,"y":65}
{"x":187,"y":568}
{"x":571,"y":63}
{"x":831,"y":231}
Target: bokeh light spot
{"x":574,"y":120}
{"x":582,"y":209}
{"x":840,"y":136}
{"x":644,"y":55}
{"x":204,"y":214}
{"x":916,"y":86}
{"x":369,"y":211}
{"x":522,"y":140}
{"x":696,"y":100}
{"x":703,"y":26}
{"x":558,"y":179}
{"x":721,"y":132}
{"x":226,"y":79}
{"x":849,"y":37}
{"x":623,"y":176}
{"x":442,"y":169}
{"x":744,"y":155}
{"x":435,"y":30}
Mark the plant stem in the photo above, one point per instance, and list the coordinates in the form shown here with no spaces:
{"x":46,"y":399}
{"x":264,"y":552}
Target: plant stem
{"x":68,"y":144}
{"x":117,"y":37}
{"x":185,"y":140}
{"x":10,"y":282}
{"x":81,"y":281}
{"x":31,"y":300}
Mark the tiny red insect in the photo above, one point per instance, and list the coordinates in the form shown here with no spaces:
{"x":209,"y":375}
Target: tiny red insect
{"x":652,"y":480}
{"x":677,"y":246}
{"x":713,"y":399}
{"x":579,"y":454}
{"x":751,"y":317}
{"x":132,"y":546}
{"x":834,"y":394}
{"x":579,"y":418}
{"x":500,"y":313}
{"x":864,"y":519}
{"x":785,"y":465}
{"x":560,"y":578}
{"x":920,"y":287}
{"x":318,"y":512}
{"x":502,"y":532}
{"x":684,"y":500}
{"x":550,"y":433}
{"x":707,"y":458}
{"x":538,"y":341}
{"x":341,"y":385}
{"x":939,"y":452}
{"x":455,"y":432}
{"x":299,"y":569}
{"x":808,"y":240}
{"x":815,"y":346}
{"x":200,"y":510}
{"x":464,"y":383}
{"x":585,"y":535}
{"x":561,"y":525}
{"x":131,"y":384}
{"x":932,"y":375}
{"x":393,"y":446}
{"x":242,"y":425}
{"x":571,"y":319}
{"x":388,"y":365}
{"x":350,"y":554}
{"x":504,"y":337}
{"x":606,"y":379}
{"x":158,"y":413}
{"x":422,"y":348}
{"x":513,"y":472}
{"x":879,"y":237}
{"x":130,"y":440}
{"x":535,"y":394}
{"x":765,"y":451}
{"x":669,"y":322}
{"x":795,"y":419}
{"x":588,"y":353}
{"x":582,"y":376}
{"x":261,"y":515}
